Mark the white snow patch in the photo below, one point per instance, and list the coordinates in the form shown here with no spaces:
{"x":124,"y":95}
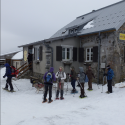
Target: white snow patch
{"x":89,"y":25}
{"x":19,"y":55}
{"x":25,"y":107}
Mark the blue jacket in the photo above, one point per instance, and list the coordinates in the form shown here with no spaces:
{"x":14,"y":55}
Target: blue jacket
{"x":8,"y":71}
{"x":110,"y":74}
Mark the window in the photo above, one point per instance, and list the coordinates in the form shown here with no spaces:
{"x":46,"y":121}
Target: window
{"x":89,"y":54}
{"x":37,"y":53}
{"x":67,"y":53}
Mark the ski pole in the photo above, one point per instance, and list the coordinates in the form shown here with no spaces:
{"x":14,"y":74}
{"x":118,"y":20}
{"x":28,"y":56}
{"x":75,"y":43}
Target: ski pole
{"x":55,"y":91}
{"x":16,"y":86}
{"x":102,"y":84}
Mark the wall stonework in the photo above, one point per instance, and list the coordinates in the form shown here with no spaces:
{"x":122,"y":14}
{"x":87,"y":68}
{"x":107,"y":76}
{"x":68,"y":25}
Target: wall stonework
{"x":111,"y":53}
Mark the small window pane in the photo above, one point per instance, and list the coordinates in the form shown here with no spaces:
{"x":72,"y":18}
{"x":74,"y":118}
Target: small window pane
{"x":87,"y":50}
{"x":63,"y":55}
{"x":68,"y":53}
{"x":91,"y":49}
{"x":37,"y":53}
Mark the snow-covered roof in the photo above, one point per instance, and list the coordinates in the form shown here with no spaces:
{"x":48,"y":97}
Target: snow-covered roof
{"x":9,"y":53}
{"x":110,"y":17}
{"x":19,"y":55}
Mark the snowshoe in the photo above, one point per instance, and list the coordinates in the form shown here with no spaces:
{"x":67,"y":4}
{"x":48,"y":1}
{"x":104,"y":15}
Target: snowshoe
{"x":11,"y":91}
{"x":61,"y":98}
{"x":74,"y":91}
{"x":89,"y":89}
{"x":82,"y":96}
{"x":57,"y":98}
{"x":44,"y":101}
{"x":50,"y":101}
{"x":5,"y":89}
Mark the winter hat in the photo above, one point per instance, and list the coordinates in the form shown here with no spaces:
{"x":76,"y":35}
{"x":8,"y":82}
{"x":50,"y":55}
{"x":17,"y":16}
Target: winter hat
{"x":108,"y":66}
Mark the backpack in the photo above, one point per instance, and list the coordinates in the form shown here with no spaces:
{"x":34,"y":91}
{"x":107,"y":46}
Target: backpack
{"x":86,"y":78}
{"x":49,"y":77}
{"x":14,"y":72}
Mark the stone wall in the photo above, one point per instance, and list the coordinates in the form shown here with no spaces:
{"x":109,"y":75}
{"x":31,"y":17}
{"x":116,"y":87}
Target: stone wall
{"x":112,"y":53}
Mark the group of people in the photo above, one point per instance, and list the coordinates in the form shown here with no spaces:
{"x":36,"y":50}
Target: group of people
{"x":49,"y":77}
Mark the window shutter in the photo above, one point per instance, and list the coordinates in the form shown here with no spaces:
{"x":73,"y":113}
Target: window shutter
{"x":81,"y":54}
{"x":34,"y":53}
{"x":58,"y":53}
{"x":124,"y":54}
{"x":74,"y":54}
{"x":40,"y":53}
{"x":95,"y":54}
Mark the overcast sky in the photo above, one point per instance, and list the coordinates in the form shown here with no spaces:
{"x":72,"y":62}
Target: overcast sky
{"x":26,"y":21}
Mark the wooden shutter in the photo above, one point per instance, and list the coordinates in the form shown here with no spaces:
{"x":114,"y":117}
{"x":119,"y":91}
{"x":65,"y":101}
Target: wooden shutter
{"x":34,"y":53}
{"x":124,"y":54}
{"x":58,"y":53}
{"x":74,"y":54}
{"x":40,"y":53}
{"x":95,"y":54}
{"x":81,"y":54}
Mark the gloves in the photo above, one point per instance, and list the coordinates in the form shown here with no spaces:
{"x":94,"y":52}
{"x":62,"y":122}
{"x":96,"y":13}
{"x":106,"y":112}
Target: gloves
{"x":59,"y":79}
{"x":104,"y":74}
{"x":3,"y":76}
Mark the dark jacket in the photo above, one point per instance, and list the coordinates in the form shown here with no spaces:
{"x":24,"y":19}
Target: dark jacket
{"x":90,"y":74}
{"x":29,"y":57}
{"x":53,"y":76}
{"x":73,"y":74}
{"x":8,"y":71}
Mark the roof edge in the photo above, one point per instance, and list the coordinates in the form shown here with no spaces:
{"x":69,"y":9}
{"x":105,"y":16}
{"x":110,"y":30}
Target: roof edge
{"x":101,"y":8}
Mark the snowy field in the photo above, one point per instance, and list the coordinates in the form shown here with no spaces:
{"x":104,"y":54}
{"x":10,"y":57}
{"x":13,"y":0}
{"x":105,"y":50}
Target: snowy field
{"x":25,"y":107}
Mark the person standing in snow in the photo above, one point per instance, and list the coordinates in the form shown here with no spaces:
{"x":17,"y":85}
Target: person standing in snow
{"x":73,"y":78}
{"x":81,"y":78}
{"x":110,"y":75}
{"x":9,"y":78}
{"x":61,"y":76}
{"x":90,"y":75}
{"x":49,"y":77}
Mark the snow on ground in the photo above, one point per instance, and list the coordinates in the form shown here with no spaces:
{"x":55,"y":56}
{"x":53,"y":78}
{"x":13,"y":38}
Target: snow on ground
{"x":25,"y":107}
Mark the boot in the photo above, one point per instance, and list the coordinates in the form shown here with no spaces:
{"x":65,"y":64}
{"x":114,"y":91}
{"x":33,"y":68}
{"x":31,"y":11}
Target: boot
{"x":61,"y":95}
{"x":44,"y":101}
{"x":57,"y":94}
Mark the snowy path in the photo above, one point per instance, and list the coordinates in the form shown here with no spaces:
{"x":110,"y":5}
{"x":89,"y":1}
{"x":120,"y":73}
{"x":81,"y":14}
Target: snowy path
{"x":25,"y":107}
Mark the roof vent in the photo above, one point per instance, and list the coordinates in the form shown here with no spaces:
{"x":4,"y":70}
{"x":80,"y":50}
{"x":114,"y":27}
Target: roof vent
{"x":82,"y":18}
{"x":93,"y":10}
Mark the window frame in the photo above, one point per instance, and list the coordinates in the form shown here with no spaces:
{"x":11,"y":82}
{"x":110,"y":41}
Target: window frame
{"x":70,"y":52}
{"x":37,"y":52}
{"x":90,"y":48}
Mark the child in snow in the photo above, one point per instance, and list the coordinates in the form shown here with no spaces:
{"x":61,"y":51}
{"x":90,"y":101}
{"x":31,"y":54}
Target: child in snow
{"x":49,"y":77}
{"x":61,"y":76}
{"x":9,"y":77}
{"x":81,"y":78}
